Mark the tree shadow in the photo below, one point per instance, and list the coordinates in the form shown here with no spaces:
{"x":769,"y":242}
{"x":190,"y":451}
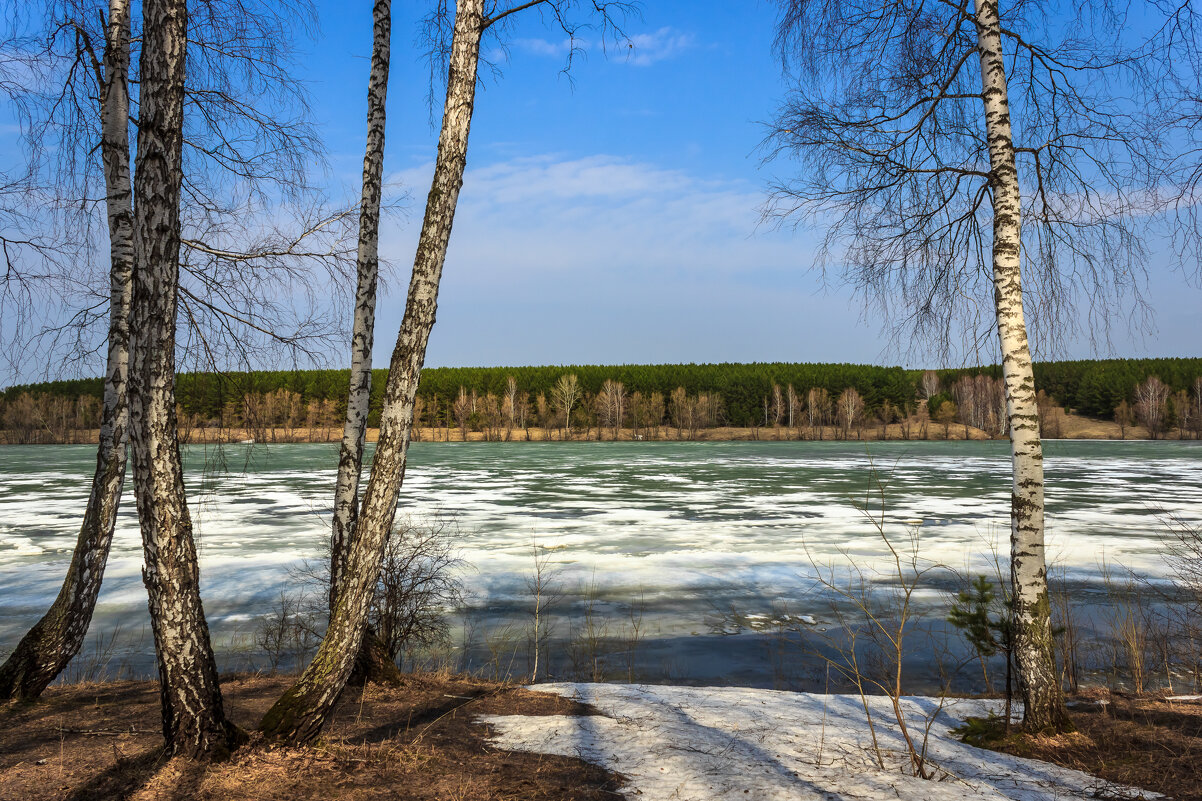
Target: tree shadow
{"x":417,"y":720}
{"x":122,"y":779}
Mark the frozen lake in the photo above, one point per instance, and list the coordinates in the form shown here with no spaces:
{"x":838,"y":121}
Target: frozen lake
{"x":684,"y":530}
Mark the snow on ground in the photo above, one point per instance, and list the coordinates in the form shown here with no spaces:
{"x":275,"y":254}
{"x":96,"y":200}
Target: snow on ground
{"x":714,"y":744}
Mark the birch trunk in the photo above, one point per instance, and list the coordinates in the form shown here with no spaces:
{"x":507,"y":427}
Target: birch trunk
{"x":350,"y":457}
{"x":1033,"y":645}
{"x":374,"y":663}
{"x":194,"y":722}
{"x":57,"y":637}
{"x":300,"y":714}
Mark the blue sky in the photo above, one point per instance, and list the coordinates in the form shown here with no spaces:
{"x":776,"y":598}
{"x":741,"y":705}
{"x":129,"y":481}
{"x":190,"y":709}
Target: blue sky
{"x":606,"y":217}
{"x":612,"y":217}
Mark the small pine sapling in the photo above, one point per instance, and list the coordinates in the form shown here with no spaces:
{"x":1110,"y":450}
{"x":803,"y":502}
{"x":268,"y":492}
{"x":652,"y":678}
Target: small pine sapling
{"x":971,"y":613}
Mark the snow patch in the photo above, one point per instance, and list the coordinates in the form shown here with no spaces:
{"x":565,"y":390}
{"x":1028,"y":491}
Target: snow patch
{"x":720,"y":744}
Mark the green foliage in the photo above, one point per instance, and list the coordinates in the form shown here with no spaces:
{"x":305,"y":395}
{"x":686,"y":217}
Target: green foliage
{"x":936,"y":402}
{"x":971,"y":613}
{"x":1092,"y":387}
{"x":982,"y":732}
{"x":742,"y":387}
{"x":77,"y":388}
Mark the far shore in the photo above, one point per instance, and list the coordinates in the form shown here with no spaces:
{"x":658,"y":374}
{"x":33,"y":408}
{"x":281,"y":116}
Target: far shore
{"x":1063,"y":426}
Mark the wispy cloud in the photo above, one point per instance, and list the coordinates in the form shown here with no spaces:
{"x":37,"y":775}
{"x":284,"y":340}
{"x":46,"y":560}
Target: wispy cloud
{"x":544,"y":47}
{"x":607,"y":258}
{"x":547,"y":214}
{"x":640,"y":50}
{"x":663,"y":44}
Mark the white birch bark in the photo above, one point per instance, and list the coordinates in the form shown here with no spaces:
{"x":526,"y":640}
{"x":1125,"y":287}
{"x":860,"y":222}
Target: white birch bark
{"x":1033,"y":645}
{"x":57,"y":637}
{"x":300,"y":714}
{"x":374,"y":663}
{"x":194,"y":722}
{"x":367,"y":266}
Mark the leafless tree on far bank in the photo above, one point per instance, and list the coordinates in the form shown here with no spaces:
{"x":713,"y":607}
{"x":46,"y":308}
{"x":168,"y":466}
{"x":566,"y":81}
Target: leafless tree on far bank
{"x":565,"y":394}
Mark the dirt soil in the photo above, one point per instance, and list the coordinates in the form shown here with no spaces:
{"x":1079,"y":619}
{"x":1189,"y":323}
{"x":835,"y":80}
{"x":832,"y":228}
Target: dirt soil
{"x":416,"y":741}
{"x":1152,"y":743}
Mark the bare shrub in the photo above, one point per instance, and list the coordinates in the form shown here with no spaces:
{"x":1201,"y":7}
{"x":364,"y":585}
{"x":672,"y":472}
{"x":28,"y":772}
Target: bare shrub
{"x":287,"y":635}
{"x":1126,"y":615}
{"x":588,"y":637}
{"x":1064,"y":627}
{"x":1183,"y":555}
{"x":419,"y":585}
{"x":545,"y":593}
{"x":876,"y":612}
{"x":632,"y":634}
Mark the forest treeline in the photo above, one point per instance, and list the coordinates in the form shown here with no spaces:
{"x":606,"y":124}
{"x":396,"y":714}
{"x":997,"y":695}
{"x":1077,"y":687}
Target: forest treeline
{"x":689,"y":396}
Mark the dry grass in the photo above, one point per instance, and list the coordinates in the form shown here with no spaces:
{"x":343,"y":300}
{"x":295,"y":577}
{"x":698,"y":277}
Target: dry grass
{"x":1075,"y":426}
{"x":1147,"y":742}
{"x":416,"y":741}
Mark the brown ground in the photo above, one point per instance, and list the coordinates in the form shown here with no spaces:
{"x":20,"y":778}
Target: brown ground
{"x":417,"y":741}
{"x":1140,"y":742}
{"x":1075,"y":426}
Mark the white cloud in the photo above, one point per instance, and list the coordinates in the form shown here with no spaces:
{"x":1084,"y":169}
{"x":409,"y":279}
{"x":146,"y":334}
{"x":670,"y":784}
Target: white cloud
{"x":640,"y":50}
{"x":665,"y":43}
{"x":544,"y":47}
{"x":544,"y":215}
{"x":605,"y":259}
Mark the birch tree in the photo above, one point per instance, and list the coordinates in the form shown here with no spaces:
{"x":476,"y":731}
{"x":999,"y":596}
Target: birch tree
{"x":1151,"y":405}
{"x":849,"y":409}
{"x":1183,"y":412}
{"x":928,"y":385}
{"x":1196,"y":399}
{"x":511,"y":406}
{"x":350,"y":457}
{"x":611,"y":405}
{"x":87,"y":61}
{"x":462,"y":411}
{"x":818,"y":405}
{"x":678,"y":409}
{"x":194,"y":722}
{"x":52,"y":642}
{"x":565,"y":395}
{"x":374,"y":659}
{"x":1123,"y":418}
{"x":298,"y":716}
{"x":1032,"y":617}
{"x":915,"y":145}
{"x":964,"y":391}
